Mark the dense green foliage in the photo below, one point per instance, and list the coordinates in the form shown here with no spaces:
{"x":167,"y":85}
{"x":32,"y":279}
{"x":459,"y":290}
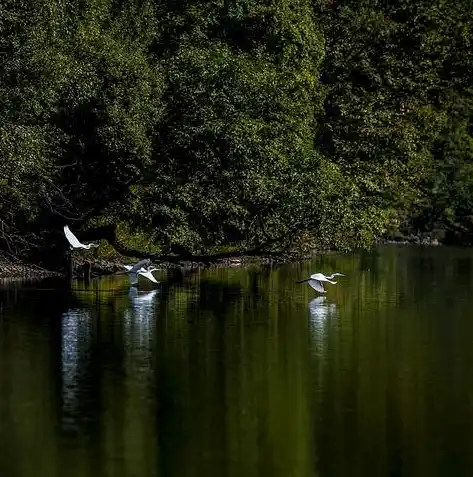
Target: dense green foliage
{"x":397,"y":73}
{"x":243,"y":124}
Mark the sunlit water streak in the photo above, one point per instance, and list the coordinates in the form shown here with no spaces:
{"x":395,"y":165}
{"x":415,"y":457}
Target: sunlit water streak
{"x":139,"y":325}
{"x":76,"y":342}
{"x":321,"y":314}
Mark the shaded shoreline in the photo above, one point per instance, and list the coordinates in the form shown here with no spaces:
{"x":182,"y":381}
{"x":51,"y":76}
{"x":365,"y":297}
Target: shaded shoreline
{"x":17,"y":270}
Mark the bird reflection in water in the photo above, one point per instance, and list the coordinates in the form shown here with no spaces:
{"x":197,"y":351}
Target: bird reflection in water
{"x":76,"y":340}
{"x":140,"y":315}
{"x":321,"y":311}
{"x":139,"y":325}
{"x":138,"y":299}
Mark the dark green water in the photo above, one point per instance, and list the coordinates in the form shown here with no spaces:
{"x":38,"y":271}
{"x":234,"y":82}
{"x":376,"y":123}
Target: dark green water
{"x":242,"y":372}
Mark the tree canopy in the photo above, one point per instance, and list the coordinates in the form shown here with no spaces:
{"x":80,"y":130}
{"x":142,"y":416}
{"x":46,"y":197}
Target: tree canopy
{"x":234,"y":126}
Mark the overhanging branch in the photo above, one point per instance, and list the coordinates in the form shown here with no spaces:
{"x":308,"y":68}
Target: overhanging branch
{"x":109,"y":233}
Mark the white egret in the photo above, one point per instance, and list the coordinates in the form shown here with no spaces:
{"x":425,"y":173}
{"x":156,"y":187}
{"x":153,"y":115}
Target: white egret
{"x":143,"y":268}
{"x":316,"y":280}
{"x":74,"y":242}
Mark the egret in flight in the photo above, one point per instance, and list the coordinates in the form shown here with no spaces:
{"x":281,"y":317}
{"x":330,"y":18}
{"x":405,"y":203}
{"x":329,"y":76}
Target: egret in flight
{"x":74,"y":242}
{"x":316,"y":280}
{"x":144,"y":268}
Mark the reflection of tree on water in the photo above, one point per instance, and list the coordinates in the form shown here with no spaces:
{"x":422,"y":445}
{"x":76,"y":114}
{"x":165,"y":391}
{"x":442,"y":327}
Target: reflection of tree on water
{"x":231,"y":379}
{"x":244,"y":292}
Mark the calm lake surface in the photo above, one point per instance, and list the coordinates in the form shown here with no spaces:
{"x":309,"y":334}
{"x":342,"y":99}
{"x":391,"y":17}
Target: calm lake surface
{"x":242,"y":372}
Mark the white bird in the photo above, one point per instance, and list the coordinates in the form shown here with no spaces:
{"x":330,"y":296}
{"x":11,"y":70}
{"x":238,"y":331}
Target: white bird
{"x":315,"y":280}
{"x":74,"y":242}
{"x":148,"y":274}
{"x":141,"y":268}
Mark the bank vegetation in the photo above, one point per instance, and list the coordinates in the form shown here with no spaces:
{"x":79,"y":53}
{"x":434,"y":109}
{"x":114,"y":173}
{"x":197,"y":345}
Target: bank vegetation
{"x":190,"y":129}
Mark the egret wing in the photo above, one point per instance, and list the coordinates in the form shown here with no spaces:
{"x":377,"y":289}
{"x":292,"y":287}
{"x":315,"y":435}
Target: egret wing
{"x":71,"y":238}
{"x":128,"y":267}
{"x":149,"y":276}
{"x":317,"y":285}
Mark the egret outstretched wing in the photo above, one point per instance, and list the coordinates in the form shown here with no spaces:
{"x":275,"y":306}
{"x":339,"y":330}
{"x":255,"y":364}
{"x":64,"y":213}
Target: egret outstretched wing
{"x":316,"y":285}
{"x":144,"y":268}
{"x":71,"y":238}
{"x":149,"y":275}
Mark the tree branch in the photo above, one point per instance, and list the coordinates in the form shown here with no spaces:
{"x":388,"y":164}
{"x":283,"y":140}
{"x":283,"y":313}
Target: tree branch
{"x":190,"y":257}
{"x":108,"y":233}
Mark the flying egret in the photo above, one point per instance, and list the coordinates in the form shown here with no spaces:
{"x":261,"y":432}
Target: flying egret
{"x":74,"y":242}
{"x":315,"y":280}
{"x":143,"y":268}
